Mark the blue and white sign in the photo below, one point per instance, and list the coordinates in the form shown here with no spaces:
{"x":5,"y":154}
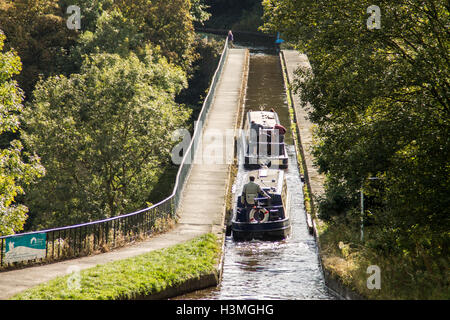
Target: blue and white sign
{"x":279,"y":40}
{"x":26,"y":247}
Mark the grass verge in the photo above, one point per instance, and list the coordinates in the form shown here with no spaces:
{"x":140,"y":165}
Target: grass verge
{"x":130,"y":278}
{"x":404,"y":277}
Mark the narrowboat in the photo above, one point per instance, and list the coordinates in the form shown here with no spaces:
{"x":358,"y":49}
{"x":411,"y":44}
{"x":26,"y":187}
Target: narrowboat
{"x":268,"y":217}
{"x":263,"y":141}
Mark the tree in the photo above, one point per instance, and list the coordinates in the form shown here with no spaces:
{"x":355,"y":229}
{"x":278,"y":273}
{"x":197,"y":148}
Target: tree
{"x":113,"y":34}
{"x":90,"y":11}
{"x":202,"y":71}
{"x":37,"y":31}
{"x":198,"y":11}
{"x":17,"y":168}
{"x":380,"y":99}
{"x":103,"y":136}
{"x":227,"y":14}
{"x":168,"y":24}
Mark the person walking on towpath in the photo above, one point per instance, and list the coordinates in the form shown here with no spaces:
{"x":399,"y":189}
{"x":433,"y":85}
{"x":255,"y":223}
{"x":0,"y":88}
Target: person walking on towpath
{"x":230,"y":38}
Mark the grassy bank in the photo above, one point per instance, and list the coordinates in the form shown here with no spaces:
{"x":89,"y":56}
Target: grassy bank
{"x":403,"y":276}
{"x":142,"y":275}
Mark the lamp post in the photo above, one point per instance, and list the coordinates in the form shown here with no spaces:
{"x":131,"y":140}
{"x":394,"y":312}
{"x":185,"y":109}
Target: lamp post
{"x":362,"y":206}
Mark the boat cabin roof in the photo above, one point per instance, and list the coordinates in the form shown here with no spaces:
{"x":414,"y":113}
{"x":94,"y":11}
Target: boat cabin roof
{"x":265,"y":118}
{"x":268,"y":179}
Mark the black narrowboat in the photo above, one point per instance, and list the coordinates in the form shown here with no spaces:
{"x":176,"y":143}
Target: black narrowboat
{"x":267,"y":218}
{"x":263,"y":142}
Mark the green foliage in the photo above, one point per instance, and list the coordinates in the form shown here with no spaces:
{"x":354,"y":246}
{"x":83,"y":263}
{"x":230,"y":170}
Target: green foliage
{"x":113,"y":34}
{"x":100,"y":123}
{"x":135,"y":277}
{"x":250,"y":19}
{"x":416,"y":276}
{"x":90,"y":10}
{"x":380,"y":99}
{"x":102,"y":136}
{"x":17,"y":168}
{"x":201,"y":73}
{"x":36,"y":30}
{"x":335,"y":202}
{"x":198,"y":11}
{"x":244,"y":15}
{"x":168,"y":24}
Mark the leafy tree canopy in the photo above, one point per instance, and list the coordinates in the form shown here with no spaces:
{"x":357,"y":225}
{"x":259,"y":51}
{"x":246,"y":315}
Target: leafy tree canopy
{"x":380,"y":99}
{"x":37,"y":31}
{"x":102,"y":135}
{"x":17,"y":168}
{"x":168,"y":24}
{"x":199,"y":11}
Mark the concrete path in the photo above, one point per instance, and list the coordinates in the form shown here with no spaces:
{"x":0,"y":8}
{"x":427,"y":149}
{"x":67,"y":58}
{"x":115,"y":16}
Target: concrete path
{"x":294,"y":60}
{"x":204,"y":194}
{"x":202,"y":205}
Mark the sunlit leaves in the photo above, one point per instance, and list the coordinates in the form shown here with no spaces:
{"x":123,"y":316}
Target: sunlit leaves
{"x":15,"y":172}
{"x":37,"y":31}
{"x":102,"y":135}
{"x":380,"y":99}
{"x":168,"y":24}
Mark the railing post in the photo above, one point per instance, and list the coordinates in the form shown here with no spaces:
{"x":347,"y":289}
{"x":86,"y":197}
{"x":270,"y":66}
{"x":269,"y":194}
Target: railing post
{"x":53,"y":245}
{"x":114,"y":232}
{"x":72,"y":240}
{"x":80,"y":245}
{"x":66,"y":240}
{"x":106,"y":232}
{"x":59,"y":243}
{"x":94,"y":232}
{"x":173,"y":209}
{"x":126,"y":227}
{"x":74,"y":230}
{"x":1,"y":253}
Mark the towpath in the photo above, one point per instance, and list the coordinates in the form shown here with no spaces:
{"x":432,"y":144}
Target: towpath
{"x":294,"y":60}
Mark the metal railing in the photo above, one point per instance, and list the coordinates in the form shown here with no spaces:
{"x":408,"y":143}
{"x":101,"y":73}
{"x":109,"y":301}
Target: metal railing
{"x":103,"y":235}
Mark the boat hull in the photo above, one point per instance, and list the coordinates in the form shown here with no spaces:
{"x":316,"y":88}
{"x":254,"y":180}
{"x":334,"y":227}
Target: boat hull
{"x":252,"y":162}
{"x":271,"y":231}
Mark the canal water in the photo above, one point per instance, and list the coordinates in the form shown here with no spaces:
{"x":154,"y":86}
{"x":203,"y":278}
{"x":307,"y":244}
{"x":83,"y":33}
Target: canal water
{"x":284,"y":270}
